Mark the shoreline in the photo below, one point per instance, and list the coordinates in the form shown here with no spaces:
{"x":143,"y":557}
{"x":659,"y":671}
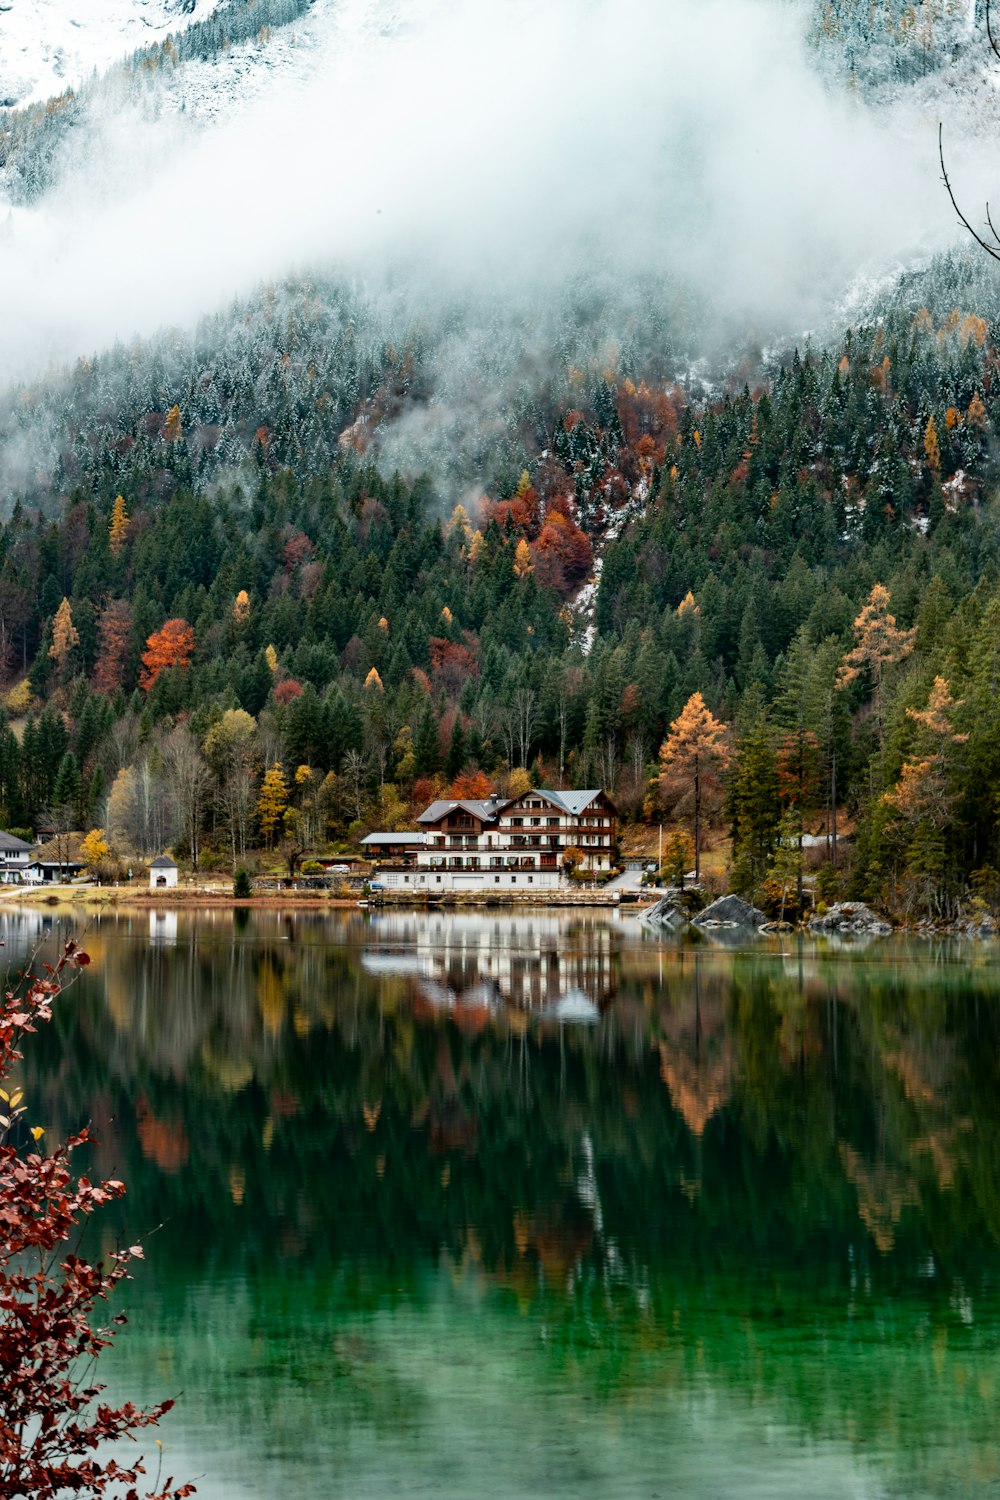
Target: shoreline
{"x":96,"y":898}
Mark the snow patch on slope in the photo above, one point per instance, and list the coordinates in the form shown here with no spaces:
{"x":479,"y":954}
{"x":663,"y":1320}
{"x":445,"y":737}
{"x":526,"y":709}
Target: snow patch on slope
{"x":49,"y":46}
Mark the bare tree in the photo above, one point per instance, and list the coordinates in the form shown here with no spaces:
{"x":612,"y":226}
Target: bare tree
{"x":992,"y":249}
{"x":525,"y":705}
{"x":189,"y":778}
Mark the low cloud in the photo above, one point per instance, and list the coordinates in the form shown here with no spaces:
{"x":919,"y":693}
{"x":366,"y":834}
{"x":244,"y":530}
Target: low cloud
{"x":504,"y":148}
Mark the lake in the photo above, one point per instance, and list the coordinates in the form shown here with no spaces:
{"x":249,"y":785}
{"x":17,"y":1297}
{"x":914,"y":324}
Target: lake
{"x":497,"y":1206}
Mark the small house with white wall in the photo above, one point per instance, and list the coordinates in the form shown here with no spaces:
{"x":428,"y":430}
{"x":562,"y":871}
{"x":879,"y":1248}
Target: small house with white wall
{"x":162,"y":873}
{"x":15,"y":857}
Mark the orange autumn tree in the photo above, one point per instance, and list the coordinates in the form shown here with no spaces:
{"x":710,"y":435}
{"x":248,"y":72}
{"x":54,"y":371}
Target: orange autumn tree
{"x":692,"y":760}
{"x":171,"y":646}
{"x":878,"y":643}
{"x":114,"y":628}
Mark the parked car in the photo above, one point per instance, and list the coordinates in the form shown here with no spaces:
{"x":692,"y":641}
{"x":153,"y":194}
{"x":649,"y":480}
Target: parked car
{"x":340,"y":869}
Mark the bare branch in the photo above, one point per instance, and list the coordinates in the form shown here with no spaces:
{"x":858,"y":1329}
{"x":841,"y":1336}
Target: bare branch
{"x":989,"y":30}
{"x":992,"y":250}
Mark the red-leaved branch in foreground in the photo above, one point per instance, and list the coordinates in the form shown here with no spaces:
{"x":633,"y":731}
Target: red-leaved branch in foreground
{"x":53,"y":1423}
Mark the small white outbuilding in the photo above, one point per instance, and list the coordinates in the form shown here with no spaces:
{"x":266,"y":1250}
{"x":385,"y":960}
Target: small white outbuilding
{"x":162,"y":873}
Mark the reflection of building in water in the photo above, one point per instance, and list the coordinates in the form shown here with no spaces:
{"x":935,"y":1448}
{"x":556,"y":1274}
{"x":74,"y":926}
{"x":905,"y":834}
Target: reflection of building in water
{"x":537,"y":963}
{"x":163,"y":927}
{"x":23,"y":928}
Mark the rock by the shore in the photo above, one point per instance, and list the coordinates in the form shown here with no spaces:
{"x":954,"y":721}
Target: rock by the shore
{"x":851,"y":916}
{"x":730,"y":911}
{"x":669,"y":911}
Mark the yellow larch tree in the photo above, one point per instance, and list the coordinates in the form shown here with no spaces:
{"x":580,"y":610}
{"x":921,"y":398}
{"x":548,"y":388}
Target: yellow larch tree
{"x":932,"y":447}
{"x":118,"y":526}
{"x":64,"y":636}
{"x":878,"y":643}
{"x":172,"y":424}
{"x":271,"y":802}
{"x":692,"y":759}
{"x":241,"y":607}
{"x":522,"y":559}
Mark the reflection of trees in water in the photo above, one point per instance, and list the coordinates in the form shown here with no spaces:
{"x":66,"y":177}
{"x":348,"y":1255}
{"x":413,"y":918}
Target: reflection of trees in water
{"x":737,"y":1147}
{"x":735,"y":1104}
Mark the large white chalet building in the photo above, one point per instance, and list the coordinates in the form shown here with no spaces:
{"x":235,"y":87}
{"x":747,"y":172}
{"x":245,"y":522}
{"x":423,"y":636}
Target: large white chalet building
{"x":500,"y":843}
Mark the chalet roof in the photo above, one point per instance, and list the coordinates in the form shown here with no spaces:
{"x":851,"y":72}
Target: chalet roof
{"x":485,"y":810}
{"x":569,"y":802}
{"x":574,"y":802}
{"x":9,"y":844}
{"x":382,"y":839}
{"x":163,"y":862}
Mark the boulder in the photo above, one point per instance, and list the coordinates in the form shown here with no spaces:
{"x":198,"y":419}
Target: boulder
{"x":669,"y":911}
{"x":851,"y":916}
{"x":730,"y":911}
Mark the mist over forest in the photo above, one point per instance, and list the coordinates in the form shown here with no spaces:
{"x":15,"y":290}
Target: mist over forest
{"x":455,"y":391}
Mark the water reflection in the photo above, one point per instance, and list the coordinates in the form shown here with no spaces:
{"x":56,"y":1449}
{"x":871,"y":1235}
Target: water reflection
{"x":643,"y":1191}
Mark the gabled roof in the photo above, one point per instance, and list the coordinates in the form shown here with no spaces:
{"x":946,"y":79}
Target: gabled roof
{"x":11,"y":845}
{"x":485,"y":810}
{"x":574,"y":802}
{"x":163,"y":862}
{"x":569,"y":802}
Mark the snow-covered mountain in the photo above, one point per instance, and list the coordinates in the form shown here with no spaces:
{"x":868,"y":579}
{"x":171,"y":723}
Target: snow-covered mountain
{"x":48,"y":46}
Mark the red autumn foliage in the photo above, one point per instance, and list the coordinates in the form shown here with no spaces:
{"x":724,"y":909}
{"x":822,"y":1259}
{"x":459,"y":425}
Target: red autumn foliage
{"x":298,"y":549}
{"x":287,"y":691}
{"x":52,"y":1423}
{"x":113,"y":628}
{"x":426,"y":790}
{"x":173,"y":646}
{"x":520,"y":513}
{"x":561,"y":541}
{"x":648,"y":414}
{"x":451,"y":664}
{"x":471,"y":786}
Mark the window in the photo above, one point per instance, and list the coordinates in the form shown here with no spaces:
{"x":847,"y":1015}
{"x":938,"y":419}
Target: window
{"x":531,"y":879}
{"x":496,"y":880}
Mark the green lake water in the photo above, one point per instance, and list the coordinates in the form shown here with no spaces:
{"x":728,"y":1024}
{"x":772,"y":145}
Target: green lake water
{"x":484,"y":1206}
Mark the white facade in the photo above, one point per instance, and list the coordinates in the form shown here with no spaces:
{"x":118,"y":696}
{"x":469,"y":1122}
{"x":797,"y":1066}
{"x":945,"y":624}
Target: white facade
{"x":468,"y":879}
{"x":15,"y":857}
{"x":511,"y":844}
{"x":162,"y":874}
